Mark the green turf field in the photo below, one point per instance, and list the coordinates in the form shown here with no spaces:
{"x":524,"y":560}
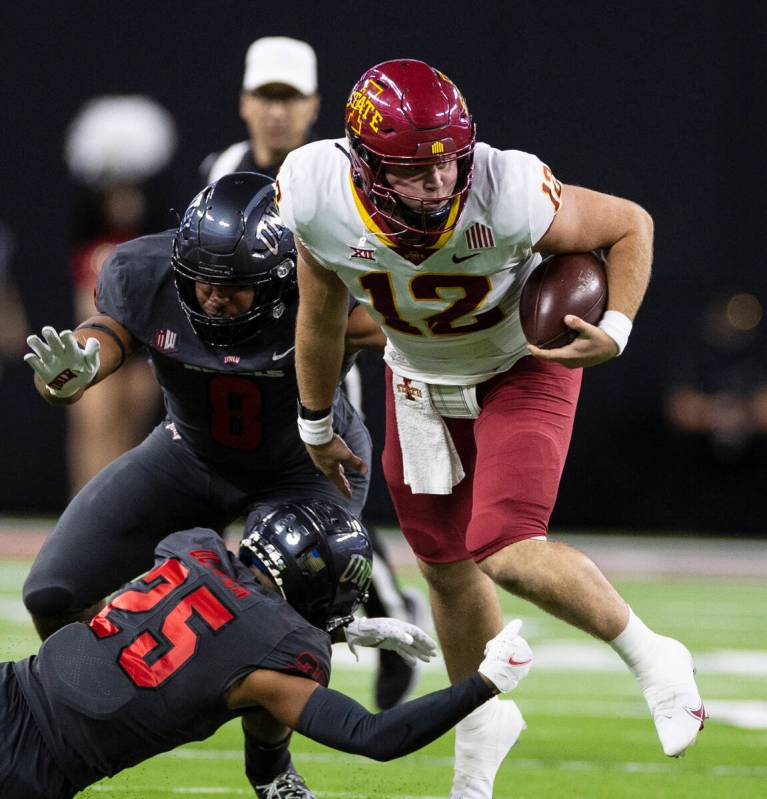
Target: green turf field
{"x":589,"y":735}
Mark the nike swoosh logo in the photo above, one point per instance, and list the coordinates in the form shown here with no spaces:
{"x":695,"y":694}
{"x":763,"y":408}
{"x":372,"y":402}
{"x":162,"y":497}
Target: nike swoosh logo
{"x":276,"y":356}
{"x":699,"y":714}
{"x":513,"y":662}
{"x":459,"y":259}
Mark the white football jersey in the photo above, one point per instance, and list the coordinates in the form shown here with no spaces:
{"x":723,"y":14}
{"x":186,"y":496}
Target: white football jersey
{"x":453,"y":318}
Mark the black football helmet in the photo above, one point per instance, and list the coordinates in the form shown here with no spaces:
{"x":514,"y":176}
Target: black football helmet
{"x":232,"y":235}
{"x":317,"y":553}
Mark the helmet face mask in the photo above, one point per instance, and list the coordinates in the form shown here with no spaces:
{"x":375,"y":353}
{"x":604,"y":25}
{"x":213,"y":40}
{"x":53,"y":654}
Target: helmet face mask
{"x":404,"y":113}
{"x":317,"y":554}
{"x":231,"y":235}
{"x":415,"y":213}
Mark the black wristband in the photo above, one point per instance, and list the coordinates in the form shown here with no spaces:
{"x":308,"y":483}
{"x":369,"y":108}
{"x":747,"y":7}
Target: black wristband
{"x":109,"y":331}
{"x":312,"y":416}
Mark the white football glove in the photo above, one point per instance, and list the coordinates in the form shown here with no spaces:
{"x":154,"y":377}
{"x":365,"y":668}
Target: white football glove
{"x":507,"y":658}
{"x":63,"y":365}
{"x":410,"y":642}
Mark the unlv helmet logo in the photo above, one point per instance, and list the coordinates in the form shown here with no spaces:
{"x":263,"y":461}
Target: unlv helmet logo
{"x":270,"y":228}
{"x":358,"y":571}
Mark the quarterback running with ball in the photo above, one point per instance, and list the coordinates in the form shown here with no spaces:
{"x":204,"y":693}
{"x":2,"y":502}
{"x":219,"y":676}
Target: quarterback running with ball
{"x":435,"y":233}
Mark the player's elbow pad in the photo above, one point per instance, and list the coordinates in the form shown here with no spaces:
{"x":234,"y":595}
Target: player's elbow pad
{"x":334,"y":719}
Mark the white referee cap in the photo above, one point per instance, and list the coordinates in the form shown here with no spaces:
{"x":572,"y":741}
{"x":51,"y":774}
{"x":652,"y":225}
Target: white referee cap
{"x":278,"y":59}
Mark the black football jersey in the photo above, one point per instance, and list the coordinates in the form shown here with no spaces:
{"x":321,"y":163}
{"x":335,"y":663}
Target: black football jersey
{"x":151,"y":671}
{"x":232,"y":406}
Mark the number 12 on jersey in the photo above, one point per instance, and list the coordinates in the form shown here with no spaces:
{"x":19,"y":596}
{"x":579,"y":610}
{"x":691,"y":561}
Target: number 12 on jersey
{"x":474,"y":290}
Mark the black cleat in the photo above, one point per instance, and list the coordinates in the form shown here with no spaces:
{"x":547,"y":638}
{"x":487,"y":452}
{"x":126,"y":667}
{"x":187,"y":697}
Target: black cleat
{"x":288,"y":785}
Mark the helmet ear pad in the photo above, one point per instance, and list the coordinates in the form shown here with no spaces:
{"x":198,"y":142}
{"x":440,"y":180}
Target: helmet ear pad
{"x":317,"y":554}
{"x":231,"y":235}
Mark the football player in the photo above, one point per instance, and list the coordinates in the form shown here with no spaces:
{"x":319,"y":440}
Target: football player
{"x":435,"y":235}
{"x":279,"y":103}
{"x":203,"y":638}
{"x":214,"y":304}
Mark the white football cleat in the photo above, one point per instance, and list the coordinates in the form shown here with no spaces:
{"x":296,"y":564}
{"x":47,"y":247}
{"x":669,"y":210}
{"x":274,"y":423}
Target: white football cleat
{"x":482,"y":741}
{"x":673,"y":697}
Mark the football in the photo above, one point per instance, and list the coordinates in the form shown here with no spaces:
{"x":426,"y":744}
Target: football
{"x":574,"y":283}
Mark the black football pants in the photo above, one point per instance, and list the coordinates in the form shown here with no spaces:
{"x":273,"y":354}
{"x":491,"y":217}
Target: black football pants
{"x":107,"y":534}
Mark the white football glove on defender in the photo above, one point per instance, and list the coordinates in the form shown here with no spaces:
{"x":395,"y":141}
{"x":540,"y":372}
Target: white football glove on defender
{"x":507,"y":658}
{"x":410,"y":642}
{"x":63,"y":365}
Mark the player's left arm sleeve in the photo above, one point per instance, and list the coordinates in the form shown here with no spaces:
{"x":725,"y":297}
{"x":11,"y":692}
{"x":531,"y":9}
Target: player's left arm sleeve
{"x":527,"y":196}
{"x":336,"y":720}
{"x":544,"y":197}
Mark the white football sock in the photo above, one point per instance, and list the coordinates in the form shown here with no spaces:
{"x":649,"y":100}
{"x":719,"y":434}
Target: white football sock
{"x":664,"y":669}
{"x":482,"y":741}
{"x":636,"y":644}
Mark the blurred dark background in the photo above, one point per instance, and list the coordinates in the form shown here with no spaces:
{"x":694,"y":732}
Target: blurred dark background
{"x":660,"y":103}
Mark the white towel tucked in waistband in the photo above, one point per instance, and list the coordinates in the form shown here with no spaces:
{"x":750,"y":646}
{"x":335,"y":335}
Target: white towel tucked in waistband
{"x":429,"y":458}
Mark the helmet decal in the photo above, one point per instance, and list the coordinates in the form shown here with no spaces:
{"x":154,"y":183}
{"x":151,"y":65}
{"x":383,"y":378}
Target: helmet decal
{"x":318,"y":554}
{"x":358,"y":571}
{"x":362,"y":107}
{"x":270,"y":229}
